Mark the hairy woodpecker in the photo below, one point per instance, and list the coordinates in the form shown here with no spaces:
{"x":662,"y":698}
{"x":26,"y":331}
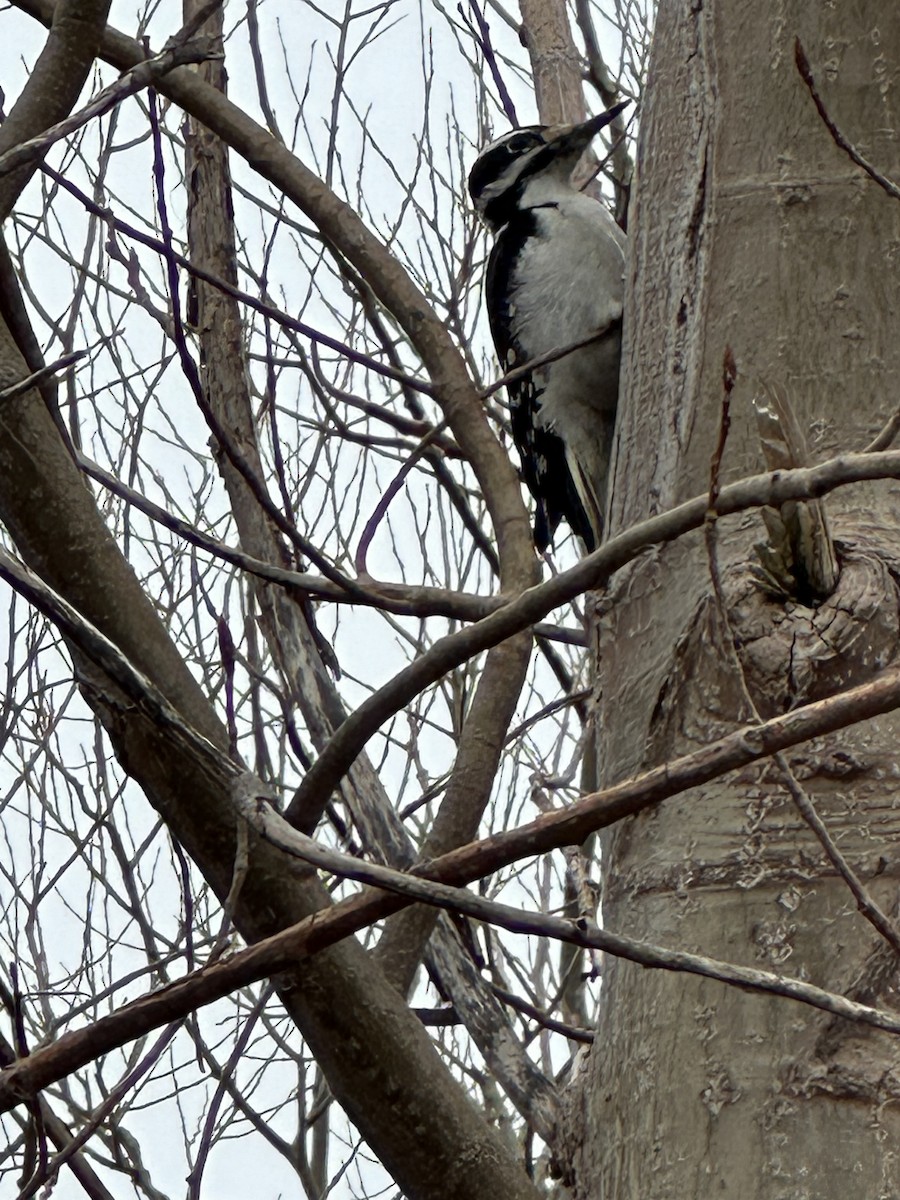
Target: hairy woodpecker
{"x":555,"y":276}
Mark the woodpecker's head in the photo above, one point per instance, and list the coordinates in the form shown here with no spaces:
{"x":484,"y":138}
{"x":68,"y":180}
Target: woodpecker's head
{"x":504,"y":169}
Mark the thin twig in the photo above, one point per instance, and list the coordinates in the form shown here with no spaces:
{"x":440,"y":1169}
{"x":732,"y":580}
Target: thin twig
{"x":103,"y":1111}
{"x":227,"y":443}
{"x":133,"y":81}
{"x":239,"y":874}
{"x":872,"y":912}
{"x":839,"y":139}
{"x":482,"y":34}
{"x":399,"y":598}
{"x":541,"y":361}
{"x":38,"y":377}
{"x":391,"y":491}
{"x":886,"y":436}
{"x":729,"y":376}
{"x":260,"y":306}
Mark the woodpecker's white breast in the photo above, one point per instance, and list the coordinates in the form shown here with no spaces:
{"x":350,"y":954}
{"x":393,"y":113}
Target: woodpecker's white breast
{"x":568,"y":283}
{"x":569,"y":279}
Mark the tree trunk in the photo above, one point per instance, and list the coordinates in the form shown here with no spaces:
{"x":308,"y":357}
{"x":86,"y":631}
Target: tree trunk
{"x":751,"y":229}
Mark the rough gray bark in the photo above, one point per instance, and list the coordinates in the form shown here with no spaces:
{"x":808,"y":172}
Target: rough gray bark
{"x":751,"y":229}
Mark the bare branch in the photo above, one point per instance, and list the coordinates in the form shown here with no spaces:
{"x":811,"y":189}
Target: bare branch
{"x":142,"y":76}
{"x":36,"y":378}
{"x":591,"y":572}
{"x":839,"y":139}
{"x":560,"y":828}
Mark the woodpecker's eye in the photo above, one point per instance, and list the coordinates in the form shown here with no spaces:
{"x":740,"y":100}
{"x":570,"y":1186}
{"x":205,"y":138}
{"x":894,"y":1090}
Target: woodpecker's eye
{"x":523,"y":141}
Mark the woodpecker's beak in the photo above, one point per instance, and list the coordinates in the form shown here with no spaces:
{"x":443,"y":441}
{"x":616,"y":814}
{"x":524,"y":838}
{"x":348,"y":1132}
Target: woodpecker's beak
{"x":573,"y":140}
